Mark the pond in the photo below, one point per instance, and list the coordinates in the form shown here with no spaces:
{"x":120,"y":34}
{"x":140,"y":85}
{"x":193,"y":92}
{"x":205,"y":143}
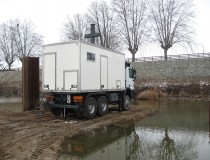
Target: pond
{"x":13,"y":104}
{"x":180,"y":130}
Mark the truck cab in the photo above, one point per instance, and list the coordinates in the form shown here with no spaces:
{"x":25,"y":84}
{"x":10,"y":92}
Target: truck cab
{"x":130,"y":76}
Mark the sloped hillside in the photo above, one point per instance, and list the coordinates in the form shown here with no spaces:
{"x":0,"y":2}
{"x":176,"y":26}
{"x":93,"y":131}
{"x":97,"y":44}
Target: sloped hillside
{"x":10,"y":83}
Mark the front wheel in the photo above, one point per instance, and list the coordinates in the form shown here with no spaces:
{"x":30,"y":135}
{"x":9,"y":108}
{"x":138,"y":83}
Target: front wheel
{"x":90,"y":108}
{"x":127,"y":103}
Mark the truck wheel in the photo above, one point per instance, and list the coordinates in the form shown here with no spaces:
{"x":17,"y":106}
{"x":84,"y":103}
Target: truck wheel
{"x":127,"y":103}
{"x":90,"y":108}
{"x":56,"y":111}
{"x":102,"y":104}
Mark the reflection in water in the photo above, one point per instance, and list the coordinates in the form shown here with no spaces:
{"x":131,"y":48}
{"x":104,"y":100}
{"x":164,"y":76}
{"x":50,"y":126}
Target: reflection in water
{"x":169,"y":145}
{"x":168,"y":150}
{"x":209,"y":121}
{"x":107,"y":143}
{"x":150,"y":104}
{"x":180,"y":130}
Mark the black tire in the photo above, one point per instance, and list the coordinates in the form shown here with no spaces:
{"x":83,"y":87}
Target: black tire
{"x":90,"y":108}
{"x":56,"y":111}
{"x":102,"y":104}
{"x":127,"y":103}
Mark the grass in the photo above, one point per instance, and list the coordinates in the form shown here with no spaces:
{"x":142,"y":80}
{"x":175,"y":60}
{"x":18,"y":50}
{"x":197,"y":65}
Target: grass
{"x":150,"y":94}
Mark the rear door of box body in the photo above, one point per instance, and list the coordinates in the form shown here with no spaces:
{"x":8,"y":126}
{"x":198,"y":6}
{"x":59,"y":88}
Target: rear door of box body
{"x":49,"y":71}
{"x":70,"y":80}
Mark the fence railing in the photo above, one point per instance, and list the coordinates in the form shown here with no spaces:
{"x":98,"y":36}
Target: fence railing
{"x":171,"y":57}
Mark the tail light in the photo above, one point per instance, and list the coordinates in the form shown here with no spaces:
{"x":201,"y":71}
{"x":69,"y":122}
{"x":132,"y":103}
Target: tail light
{"x":50,"y":98}
{"x":77,"y":99}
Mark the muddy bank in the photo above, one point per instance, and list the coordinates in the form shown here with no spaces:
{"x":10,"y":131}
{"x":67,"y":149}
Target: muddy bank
{"x":38,"y":135}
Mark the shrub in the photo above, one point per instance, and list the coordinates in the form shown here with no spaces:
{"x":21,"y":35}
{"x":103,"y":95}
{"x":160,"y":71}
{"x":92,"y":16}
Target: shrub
{"x":151,"y":94}
{"x":193,"y":89}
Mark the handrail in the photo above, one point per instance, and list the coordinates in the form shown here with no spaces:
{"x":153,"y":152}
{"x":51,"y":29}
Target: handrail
{"x":171,"y":57}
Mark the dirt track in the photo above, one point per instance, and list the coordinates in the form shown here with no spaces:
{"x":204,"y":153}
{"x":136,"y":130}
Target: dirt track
{"x":38,"y":135}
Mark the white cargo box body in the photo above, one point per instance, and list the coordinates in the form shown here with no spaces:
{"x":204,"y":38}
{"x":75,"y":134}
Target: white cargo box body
{"x":82,"y":67}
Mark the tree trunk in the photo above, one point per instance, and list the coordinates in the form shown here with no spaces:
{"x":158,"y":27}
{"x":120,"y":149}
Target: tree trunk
{"x":9,"y":67}
{"x":165,"y":53}
{"x":133,"y":57}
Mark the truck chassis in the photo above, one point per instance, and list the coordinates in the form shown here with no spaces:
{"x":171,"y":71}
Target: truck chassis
{"x":87,"y":104}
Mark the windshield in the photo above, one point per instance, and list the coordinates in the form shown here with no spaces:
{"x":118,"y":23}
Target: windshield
{"x":132,"y":73}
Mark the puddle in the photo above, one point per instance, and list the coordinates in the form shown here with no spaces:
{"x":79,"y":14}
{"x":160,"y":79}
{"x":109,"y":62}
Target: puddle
{"x":11,"y":104}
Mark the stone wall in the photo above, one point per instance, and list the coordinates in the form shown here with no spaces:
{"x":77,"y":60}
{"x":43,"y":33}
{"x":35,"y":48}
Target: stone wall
{"x":174,"y":74}
{"x":190,"y":70}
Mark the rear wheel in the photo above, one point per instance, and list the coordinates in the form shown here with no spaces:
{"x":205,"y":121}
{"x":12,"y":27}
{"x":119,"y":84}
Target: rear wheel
{"x":127,"y":103}
{"x":90,"y":108}
{"x":102,"y":104}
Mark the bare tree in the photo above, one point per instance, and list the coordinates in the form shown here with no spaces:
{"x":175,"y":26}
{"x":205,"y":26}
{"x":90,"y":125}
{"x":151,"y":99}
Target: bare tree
{"x":171,"y":22}
{"x":102,"y":15}
{"x":8,"y":49}
{"x":131,"y":20}
{"x":18,"y":40}
{"x":75,"y":28}
{"x":27,"y":41}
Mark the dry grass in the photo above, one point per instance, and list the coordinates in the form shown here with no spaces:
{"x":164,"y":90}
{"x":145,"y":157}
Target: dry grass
{"x":10,"y":89}
{"x":151,"y":94}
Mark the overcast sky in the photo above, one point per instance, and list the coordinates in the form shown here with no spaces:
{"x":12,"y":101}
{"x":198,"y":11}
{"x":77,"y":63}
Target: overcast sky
{"x":49,"y":15}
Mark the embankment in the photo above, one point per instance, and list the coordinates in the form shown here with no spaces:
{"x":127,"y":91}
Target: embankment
{"x":10,"y":83}
{"x":181,"y":78}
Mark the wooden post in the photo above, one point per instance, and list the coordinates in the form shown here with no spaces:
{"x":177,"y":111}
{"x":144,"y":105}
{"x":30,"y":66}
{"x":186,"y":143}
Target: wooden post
{"x":30,"y":86}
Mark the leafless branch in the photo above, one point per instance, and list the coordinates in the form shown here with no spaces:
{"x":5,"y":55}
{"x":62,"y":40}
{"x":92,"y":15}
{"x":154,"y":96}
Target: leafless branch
{"x":18,"y":40}
{"x":131,"y":23}
{"x":102,"y":15}
{"x":8,"y":49}
{"x":28,"y":42}
{"x":75,"y":28}
{"x":171,"y":22}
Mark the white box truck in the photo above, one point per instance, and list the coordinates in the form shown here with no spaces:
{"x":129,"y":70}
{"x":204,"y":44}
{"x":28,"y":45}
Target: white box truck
{"x":85,"y":78}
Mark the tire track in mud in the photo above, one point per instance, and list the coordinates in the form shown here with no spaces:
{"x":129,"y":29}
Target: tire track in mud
{"x":21,"y":143}
{"x":56,"y":140}
{"x":15,"y":131}
{"x":34,"y":136}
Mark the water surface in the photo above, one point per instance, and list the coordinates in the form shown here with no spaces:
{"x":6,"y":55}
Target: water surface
{"x":13,"y":104}
{"x":179,"y":131}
